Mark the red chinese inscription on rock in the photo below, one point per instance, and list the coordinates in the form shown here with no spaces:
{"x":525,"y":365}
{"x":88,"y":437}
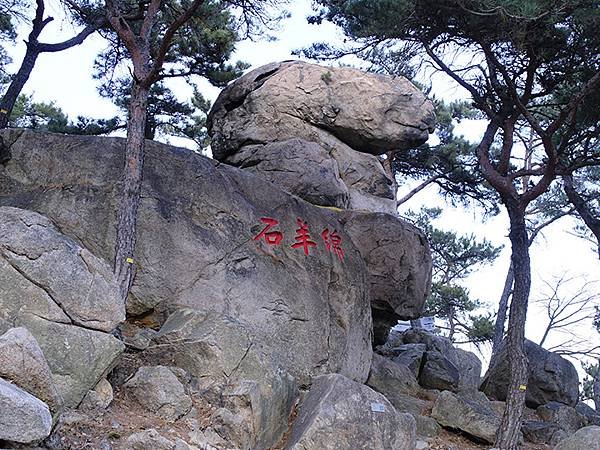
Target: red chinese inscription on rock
{"x":303,"y":237}
{"x":270,"y":237}
{"x":333,"y":242}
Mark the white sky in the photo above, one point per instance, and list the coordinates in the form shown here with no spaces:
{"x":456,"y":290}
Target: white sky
{"x":65,"y":78}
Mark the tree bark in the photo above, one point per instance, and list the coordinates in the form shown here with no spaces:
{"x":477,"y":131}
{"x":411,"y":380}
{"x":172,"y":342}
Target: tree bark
{"x":596,"y":388}
{"x":582,"y":208}
{"x":508,"y":433}
{"x":502,"y":309}
{"x":16,"y":86}
{"x":131,"y":185}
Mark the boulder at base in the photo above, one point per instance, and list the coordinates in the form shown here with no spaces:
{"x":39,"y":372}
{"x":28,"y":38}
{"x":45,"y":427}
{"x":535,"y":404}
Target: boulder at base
{"x":473,"y":414}
{"x":23,"y":417}
{"x":587,"y":438}
{"x":551,"y":377}
{"x":211,"y":238}
{"x":340,"y":414}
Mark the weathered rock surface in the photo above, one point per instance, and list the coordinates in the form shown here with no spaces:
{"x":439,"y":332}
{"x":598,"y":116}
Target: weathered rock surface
{"x":397,"y":383}
{"x":562,"y":415}
{"x":592,"y":416}
{"x":551,"y":377}
{"x":398,"y":262}
{"x":149,"y":439}
{"x":98,"y":399}
{"x":340,"y":413}
{"x":473,"y":415}
{"x":196,"y":245}
{"x":23,"y":364}
{"x":300,"y":167}
{"x":23,"y":417}
{"x":587,"y":438}
{"x":436,"y":363}
{"x":77,"y":357}
{"x":542,"y":432}
{"x":159,"y":390}
{"x":370,"y":113}
{"x":57,"y":270}
{"x":257,"y":395}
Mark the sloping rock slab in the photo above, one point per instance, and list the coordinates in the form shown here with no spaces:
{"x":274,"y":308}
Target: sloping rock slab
{"x":369,"y":112}
{"x":339,"y":413}
{"x":551,"y":377}
{"x":202,"y":244}
{"x":474,"y":415}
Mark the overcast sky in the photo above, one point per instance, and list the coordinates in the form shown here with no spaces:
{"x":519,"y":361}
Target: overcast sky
{"x":65,"y":78}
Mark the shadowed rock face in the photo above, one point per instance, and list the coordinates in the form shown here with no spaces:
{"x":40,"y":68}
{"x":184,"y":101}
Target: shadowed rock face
{"x":370,"y":113}
{"x":551,"y":377}
{"x":197,"y":246}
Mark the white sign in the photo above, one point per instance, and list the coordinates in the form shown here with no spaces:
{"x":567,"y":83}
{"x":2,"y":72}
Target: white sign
{"x":377,"y":407}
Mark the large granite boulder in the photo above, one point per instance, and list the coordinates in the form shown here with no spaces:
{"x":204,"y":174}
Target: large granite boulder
{"x":23,"y":417}
{"x":338,"y":413}
{"x":437,"y":364}
{"x":551,"y":377}
{"x":23,"y":364}
{"x":587,"y":438}
{"x":211,"y":238}
{"x":472,"y":414}
{"x":47,"y":261}
{"x":371,"y":113}
{"x":65,"y":297}
{"x":398,"y":263}
{"x":566,"y":417}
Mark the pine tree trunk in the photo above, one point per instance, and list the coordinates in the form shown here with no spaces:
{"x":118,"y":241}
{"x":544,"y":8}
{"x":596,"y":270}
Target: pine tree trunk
{"x":131,"y":185}
{"x":508,"y":433}
{"x":502,"y":309}
{"x":16,"y":86}
{"x":596,"y":388}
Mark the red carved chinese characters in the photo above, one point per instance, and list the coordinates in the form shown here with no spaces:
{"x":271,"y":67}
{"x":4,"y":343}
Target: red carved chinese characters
{"x":303,"y":237}
{"x":333,"y":242}
{"x":271,"y":237}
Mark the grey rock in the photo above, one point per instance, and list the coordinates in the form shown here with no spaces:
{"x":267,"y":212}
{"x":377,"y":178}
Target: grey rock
{"x":397,"y":383}
{"x":371,"y":113}
{"x":196,"y":245}
{"x":77,"y":357}
{"x":300,"y":167}
{"x":473,"y":415}
{"x":551,"y":377}
{"x":99,"y":398}
{"x":593,"y":418}
{"x":539,"y":432}
{"x":158,"y":390}
{"x":444,"y":359}
{"x":256,"y":397}
{"x":438,"y":372}
{"x":398,"y":262}
{"x":410,"y":355}
{"x":22,"y":363}
{"x":149,"y":439}
{"x":587,"y":438}
{"x":427,"y":427}
{"x":340,"y":413}
{"x":566,"y":417}
{"x":24,"y":418}
{"x":81,"y":284}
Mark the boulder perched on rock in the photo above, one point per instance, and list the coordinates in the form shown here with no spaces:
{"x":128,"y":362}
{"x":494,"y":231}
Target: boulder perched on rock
{"x":369,"y":112}
{"x":398,"y":263}
{"x":23,"y":418}
{"x":22,"y":363}
{"x":159,"y":391}
{"x":473,"y":414}
{"x":211,"y":238}
{"x":551,"y":377}
{"x":587,"y":438}
{"x":340,"y":413}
